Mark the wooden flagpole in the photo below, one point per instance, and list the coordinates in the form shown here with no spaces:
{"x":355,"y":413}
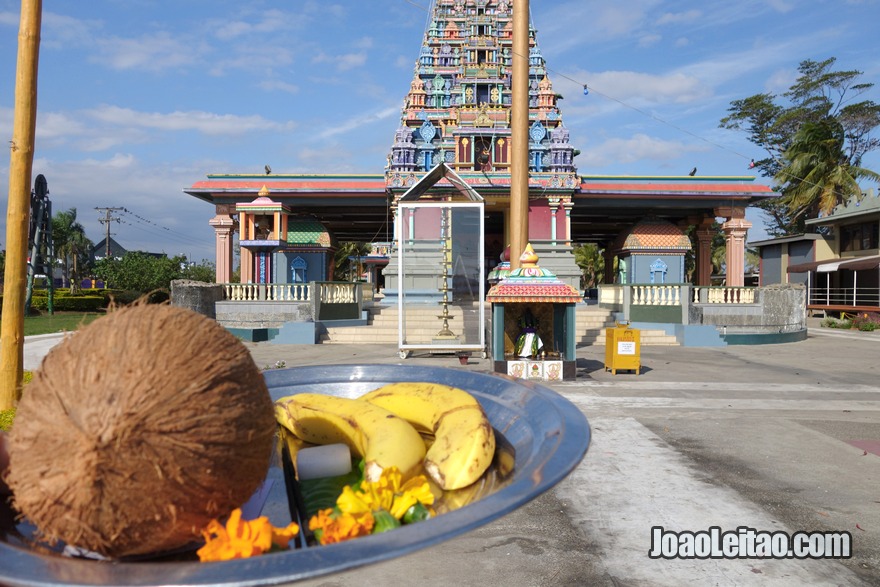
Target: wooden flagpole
{"x":519,"y":134}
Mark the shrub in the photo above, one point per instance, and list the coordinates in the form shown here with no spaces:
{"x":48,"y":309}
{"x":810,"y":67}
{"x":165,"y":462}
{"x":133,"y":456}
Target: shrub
{"x":867,"y":321}
{"x":70,"y":303}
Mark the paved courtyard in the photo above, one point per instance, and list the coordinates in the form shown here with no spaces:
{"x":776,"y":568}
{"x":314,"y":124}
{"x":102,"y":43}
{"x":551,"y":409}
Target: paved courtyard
{"x":777,"y":437}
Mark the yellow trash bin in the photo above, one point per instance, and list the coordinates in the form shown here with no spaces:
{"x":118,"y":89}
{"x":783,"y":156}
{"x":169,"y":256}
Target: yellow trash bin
{"x":622,"y":349}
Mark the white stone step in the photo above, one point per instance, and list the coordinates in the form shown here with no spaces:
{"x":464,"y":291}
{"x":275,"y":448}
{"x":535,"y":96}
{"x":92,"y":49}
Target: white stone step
{"x":423,"y":323}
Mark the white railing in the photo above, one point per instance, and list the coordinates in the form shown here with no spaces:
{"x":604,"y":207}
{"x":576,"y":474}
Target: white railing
{"x":611,"y":295}
{"x":266,"y":292}
{"x":655,"y":295}
{"x":338,"y":292}
{"x":724,"y":295}
{"x":843,"y":296}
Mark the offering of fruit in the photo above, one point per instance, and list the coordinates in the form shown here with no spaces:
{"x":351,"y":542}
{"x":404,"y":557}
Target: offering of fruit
{"x":379,"y":437}
{"x":385,"y":427}
{"x":464,"y":442}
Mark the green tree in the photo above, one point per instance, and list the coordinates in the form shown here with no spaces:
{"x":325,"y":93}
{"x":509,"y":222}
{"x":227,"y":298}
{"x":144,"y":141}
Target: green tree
{"x":202,"y":271}
{"x":817,"y":172}
{"x":818,"y":94}
{"x":72,"y":246}
{"x":592,"y":264}
{"x":139,"y":272}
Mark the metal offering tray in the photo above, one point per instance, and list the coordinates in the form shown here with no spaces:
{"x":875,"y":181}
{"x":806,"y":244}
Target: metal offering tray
{"x":547,"y":435}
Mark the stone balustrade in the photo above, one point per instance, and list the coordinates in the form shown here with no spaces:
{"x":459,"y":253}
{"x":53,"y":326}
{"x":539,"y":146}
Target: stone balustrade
{"x":267,"y":292}
{"x":723,"y":295}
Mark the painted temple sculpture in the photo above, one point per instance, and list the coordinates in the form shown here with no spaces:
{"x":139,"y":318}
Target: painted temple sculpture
{"x":457,"y":112}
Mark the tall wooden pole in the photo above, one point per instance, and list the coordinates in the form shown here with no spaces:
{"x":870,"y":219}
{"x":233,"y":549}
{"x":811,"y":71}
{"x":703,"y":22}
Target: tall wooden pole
{"x":519,"y":134}
{"x":18,"y":208}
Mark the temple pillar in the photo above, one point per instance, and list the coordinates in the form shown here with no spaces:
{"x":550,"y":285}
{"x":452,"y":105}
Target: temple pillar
{"x":735,"y":230}
{"x":567,"y":206}
{"x":608,"y":254}
{"x":247,"y":266}
{"x":704,"y":234}
{"x":554,"y":207}
{"x":224,"y":226}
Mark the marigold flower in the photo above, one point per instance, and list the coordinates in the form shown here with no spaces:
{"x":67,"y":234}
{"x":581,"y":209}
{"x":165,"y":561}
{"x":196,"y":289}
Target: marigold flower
{"x":386,"y":493}
{"x":332,"y":525}
{"x":243,"y":538}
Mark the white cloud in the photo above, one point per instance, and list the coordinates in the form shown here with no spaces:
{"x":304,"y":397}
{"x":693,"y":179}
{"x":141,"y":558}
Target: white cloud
{"x":645,"y":88}
{"x":782,"y":6}
{"x":267,"y":22}
{"x":649,"y":40}
{"x":364,"y":43}
{"x":357,"y":121}
{"x":206,"y":123}
{"x":253,"y":59}
{"x":638,"y":147}
{"x":341,"y":62}
{"x":278,"y":85}
{"x":153,"y":52}
{"x":679,"y":17}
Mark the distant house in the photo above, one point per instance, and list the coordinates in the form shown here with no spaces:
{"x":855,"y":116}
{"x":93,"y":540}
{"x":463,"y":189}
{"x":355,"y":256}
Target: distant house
{"x":117,"y":251}
{"x":99,"y":251}
{"x":841,"y":268}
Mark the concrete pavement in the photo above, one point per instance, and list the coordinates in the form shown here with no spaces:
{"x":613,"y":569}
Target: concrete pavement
{"x":777,"y":437}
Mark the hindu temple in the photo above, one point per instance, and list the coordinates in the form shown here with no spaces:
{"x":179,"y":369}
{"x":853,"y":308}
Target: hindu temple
{"x":457,"y":112}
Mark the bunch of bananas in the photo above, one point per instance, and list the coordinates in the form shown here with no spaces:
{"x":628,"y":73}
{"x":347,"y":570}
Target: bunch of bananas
{"x":411,"y":425}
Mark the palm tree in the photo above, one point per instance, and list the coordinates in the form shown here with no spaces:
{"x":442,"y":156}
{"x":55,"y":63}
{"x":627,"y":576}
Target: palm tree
{"x":72,"y":246}
{"x":817,"y":173}
{"x":592,"y":264}
{"x":343,"y":265}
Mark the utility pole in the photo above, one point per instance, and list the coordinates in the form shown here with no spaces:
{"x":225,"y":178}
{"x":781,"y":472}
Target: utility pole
{"x":107,"y":219}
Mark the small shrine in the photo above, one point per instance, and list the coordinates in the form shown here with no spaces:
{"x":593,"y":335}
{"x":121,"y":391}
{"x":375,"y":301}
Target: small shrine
{"x":278,"y":247}
{"x":263,"y":228}
{"x":653,"y":251}
{"x":533,"y":323}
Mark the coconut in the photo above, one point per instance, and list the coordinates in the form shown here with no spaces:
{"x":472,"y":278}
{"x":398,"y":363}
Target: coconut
{"x":138,"y":430}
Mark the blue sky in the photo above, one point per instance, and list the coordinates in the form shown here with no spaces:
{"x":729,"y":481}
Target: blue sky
{"x":139,"y":99}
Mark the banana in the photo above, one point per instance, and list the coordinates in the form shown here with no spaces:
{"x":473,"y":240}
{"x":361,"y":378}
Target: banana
{"x":372,"y":433}
{"x":464,"y":442}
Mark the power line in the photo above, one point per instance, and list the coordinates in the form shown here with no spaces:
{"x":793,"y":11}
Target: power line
{"x":107,"y":219}
{"x":145,"y":224}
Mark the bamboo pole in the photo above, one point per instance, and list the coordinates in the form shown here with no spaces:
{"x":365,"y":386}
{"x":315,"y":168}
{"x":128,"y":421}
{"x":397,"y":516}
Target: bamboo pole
{"x":18,"y":207}
{"x":519,"y":134}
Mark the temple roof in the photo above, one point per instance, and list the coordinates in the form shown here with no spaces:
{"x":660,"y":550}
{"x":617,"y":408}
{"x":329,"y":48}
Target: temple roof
{"x":307,"y":231}
{"x":653,"y":234}
{"x":531,"y":283}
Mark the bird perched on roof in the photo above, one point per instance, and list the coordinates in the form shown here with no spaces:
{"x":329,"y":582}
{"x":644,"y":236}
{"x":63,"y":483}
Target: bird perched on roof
{"x":268,"y":170}
{"x":693,"y":172}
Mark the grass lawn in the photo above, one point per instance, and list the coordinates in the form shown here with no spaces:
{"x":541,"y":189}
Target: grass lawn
{"x":58,"y":322}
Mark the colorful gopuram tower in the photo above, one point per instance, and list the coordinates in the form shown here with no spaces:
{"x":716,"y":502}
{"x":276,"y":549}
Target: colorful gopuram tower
{"x":458,"y":112}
